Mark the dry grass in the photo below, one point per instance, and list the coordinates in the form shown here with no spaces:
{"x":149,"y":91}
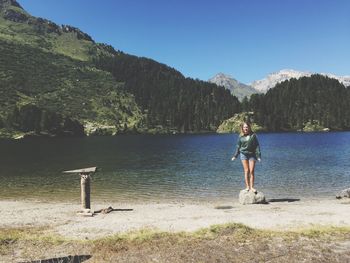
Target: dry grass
{"x":219,"y":243}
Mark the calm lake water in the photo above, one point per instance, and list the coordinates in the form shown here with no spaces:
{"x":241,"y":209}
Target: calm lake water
{"x":172,"y":168}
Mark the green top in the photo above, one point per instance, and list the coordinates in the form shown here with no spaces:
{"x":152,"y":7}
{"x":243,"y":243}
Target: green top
{"x":248,"y":144}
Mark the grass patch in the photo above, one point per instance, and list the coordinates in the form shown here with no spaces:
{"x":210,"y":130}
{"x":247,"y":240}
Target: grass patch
{"x":31,"y":243}
{"x":225,"y":242}
{"x":239,"y":231}
{"x":320,"y":231}
{"x":145,"y":239}
{"x":214,"y":231}
{"x":32,"y":233}
{"x":10,"y":236}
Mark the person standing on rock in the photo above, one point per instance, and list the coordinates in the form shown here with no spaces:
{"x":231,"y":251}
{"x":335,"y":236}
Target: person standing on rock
{"x":249,"y":150}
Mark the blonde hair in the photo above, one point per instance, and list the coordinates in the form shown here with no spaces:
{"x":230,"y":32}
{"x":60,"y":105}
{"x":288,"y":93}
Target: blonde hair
{"x":249,"y":128}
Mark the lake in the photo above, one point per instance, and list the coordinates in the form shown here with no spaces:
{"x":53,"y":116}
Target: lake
{"x":136,"y":168}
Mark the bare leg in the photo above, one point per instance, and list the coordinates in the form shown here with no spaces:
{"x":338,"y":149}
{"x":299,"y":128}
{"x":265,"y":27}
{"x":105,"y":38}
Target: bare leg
{"x":251,"y":169}
{"x":245,"y":164}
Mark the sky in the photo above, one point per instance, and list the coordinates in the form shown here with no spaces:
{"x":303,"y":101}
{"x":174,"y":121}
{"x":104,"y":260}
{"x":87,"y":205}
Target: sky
{"x":246,"y":39}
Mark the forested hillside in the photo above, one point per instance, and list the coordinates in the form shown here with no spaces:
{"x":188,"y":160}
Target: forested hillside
{"x":39,"y":90}
{"x":297,"y":104}
{"x":168,"y":97}
{"x":57,"y":72}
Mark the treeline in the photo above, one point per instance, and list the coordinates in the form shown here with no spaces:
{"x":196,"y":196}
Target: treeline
{"x":293,"y":104}
{"x":166,"y":97}
{"x":31,"y":118}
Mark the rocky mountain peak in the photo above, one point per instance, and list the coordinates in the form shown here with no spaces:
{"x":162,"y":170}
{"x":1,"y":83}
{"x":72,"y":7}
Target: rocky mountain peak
{"x":222,"y":79}
{"x":5,"y":4}
{"x":238,"y":89}
{"x":221,"y":75}
{"x":13,"y":11}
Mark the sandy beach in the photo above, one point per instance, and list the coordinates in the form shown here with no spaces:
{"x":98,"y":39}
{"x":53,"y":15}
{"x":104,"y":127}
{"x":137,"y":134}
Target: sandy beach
{"x":62,"y":218}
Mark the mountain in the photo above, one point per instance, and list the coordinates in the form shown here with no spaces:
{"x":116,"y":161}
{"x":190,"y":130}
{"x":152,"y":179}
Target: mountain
{"x":238,"y":89}
{"x":53,"y":76}
{"x":47,"y":84}
{"x":272,"y":79}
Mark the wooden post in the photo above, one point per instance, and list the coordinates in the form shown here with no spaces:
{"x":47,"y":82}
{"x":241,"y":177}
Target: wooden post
{"x":85,"y":179}
{"x":85,"y":190}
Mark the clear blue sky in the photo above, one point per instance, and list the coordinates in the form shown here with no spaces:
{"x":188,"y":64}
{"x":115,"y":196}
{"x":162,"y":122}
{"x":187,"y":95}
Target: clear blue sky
{"x":246,"y":39}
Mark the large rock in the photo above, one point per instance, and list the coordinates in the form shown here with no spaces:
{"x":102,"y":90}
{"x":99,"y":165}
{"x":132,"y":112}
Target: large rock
{"x":343,"y":193}
{"x":248,"y":197}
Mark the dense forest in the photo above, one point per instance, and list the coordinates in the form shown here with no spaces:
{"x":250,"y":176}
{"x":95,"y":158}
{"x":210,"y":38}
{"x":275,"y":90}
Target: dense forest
{"x":296,"y":103}
{"x":168,"y":98}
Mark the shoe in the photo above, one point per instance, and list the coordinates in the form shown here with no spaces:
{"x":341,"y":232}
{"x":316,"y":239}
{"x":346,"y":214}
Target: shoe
{"x":254,"y":191}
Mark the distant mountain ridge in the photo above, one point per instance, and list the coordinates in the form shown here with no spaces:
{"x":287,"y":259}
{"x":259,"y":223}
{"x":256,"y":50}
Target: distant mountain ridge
{"x":272,"y":79}
{"x":238,"y":89}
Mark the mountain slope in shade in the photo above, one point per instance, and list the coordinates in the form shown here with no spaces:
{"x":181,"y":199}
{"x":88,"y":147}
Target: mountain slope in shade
{"x":272,"y":79}
{"x":238,"y":89}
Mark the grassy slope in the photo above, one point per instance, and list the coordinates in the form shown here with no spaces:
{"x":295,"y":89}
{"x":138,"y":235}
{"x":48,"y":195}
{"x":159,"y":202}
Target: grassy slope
{"x":45,"y":66}
{"x":63,"y":85}
{"x":233,"y":125}
{"x":43,"y":34}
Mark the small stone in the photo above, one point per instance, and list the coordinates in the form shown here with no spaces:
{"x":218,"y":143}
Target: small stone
{"x":249,"y":197}
{"x":344,"y":193}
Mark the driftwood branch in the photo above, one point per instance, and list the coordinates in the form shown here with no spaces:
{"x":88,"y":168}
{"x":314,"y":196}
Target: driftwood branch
{"x":110,"y":209}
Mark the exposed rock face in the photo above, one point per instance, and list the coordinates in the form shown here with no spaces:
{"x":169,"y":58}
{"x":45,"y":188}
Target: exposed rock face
{"x":241,"y":90}
{"x":237,"y":88}
{"x":272,"y":79}
{"x":15,"y":16}
{"x":8,"y":3}
{"x":11,"y":10}
{"x":80,"y":34}
{"x":44,"y":26}
{"x":248,"y":197}
{"x":343,"y":194}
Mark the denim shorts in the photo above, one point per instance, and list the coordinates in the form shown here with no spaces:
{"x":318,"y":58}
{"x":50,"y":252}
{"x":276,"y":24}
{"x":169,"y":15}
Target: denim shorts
{"x":247,"y":156}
